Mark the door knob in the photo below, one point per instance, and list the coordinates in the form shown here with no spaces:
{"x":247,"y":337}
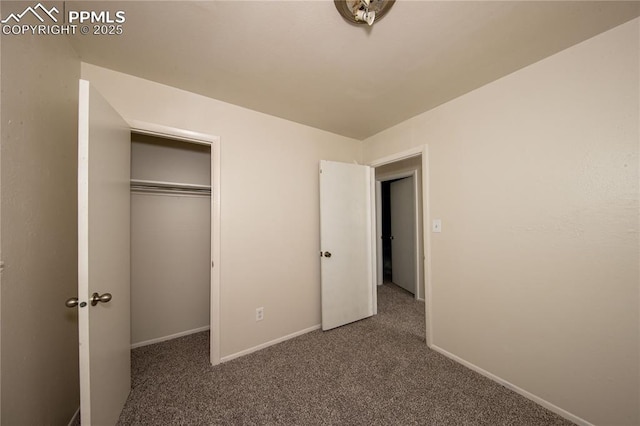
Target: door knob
{"x":72,"y":302}
{"x":327,"y":254}
{"x":95,"y":298}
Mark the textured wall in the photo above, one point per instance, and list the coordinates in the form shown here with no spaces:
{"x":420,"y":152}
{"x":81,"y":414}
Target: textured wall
{"x":535,"y":177}
{"x":39,"y":228}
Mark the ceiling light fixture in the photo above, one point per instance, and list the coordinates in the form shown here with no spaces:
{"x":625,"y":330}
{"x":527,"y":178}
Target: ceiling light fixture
{"x":363,"y":11}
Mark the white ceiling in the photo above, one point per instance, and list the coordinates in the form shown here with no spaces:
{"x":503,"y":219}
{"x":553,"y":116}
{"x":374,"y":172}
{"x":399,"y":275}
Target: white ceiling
{"x":300,"y":60}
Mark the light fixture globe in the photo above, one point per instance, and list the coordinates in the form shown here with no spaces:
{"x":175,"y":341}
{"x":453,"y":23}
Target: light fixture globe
{"x":358,"y":12}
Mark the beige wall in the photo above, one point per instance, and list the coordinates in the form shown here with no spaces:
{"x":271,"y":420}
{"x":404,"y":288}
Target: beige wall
{"x":160,"y":159}
{"x":270,"y":207}
{"x":1,"y":261}
{"x":535,"y":275}
{"x":39,"y":229}
{"x":170,"y":265}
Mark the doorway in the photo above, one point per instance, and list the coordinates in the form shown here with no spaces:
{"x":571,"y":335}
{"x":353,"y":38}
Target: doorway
{"x":414,"y":159}
{"x":398,"y":228}
{"x":201,"y":148}
{"x":170,"y":238}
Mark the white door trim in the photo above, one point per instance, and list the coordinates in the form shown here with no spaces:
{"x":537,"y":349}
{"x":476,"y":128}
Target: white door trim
{"x":153,"y":129}
{"x":378,"y":201}
{"x":373,"y":196}
{"x":426,"y":217}
{"x":403,"y":155}
{"x":214,"y":142}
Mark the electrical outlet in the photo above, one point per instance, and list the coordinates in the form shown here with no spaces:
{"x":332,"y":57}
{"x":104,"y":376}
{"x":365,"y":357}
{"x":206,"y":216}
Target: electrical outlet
{"x":259,"y":313}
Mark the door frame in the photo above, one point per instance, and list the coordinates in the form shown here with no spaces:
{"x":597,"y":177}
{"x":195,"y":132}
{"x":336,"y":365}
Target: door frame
{"x":416,"y":240}
{"x":423,"y":151}
{"x":153,"y":129}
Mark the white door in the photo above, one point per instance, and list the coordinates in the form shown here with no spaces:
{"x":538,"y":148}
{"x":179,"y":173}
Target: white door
{"x":103,"y":258}
{"x":345,"y":243}
{"x":403,"y":233}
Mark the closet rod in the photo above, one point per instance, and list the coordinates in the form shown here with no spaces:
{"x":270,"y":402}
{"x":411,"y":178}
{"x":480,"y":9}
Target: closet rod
{"x":172,"y":191}
{"x":159,"y":187}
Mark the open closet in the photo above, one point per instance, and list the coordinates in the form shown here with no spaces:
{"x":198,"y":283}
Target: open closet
{"x":170,"y":238}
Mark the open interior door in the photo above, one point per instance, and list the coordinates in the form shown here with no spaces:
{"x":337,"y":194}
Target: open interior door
{"x":403,"y":231}
{"x":345,"y":243}
{"x":103,"y":258}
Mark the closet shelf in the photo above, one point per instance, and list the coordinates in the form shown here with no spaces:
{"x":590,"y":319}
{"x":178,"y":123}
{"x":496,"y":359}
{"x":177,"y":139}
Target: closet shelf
{"x":155,"y":186}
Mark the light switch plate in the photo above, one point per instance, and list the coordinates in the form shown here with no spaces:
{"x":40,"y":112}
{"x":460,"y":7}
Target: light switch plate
{"x":437,"y":225}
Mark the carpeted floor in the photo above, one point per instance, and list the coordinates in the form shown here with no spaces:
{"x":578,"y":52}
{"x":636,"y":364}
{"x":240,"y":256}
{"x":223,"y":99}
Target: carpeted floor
{"x":378,"y":371}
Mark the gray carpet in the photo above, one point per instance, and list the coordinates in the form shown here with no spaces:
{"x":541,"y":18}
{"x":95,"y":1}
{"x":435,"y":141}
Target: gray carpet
{"x":378,"y":371}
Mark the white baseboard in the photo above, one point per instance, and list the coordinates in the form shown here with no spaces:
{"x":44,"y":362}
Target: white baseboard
{"x":546,"y":404}
{"x":270,"y":343}
{"x":75,"y":419}
{"x":170,"y":337}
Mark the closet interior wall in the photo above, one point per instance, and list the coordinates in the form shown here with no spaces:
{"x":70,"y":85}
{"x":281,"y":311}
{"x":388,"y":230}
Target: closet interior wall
{"x":170,"y":238}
